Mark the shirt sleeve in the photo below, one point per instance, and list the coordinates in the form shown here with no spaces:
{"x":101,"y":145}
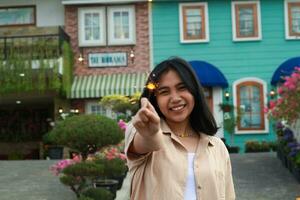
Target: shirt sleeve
{"x":229,"y":191}
{"x":133,"y":159}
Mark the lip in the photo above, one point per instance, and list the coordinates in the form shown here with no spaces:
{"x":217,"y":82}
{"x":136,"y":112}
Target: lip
{"x":177,"y":107}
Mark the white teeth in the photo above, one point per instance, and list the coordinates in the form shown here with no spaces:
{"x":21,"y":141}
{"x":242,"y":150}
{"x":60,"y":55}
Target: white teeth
{"x":177,"y":108}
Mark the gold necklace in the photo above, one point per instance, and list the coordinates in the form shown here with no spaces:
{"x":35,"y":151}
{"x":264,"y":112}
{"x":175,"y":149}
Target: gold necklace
{"x":185,"y":134}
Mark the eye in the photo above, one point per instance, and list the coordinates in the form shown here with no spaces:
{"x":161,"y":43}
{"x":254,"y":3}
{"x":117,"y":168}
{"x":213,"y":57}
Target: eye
{"x":182,"y":87}
{"x":163,"y":92}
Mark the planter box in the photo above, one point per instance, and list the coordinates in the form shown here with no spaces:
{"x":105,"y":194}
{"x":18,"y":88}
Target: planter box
{"x":55,"y":152}
{"x":296,"y":173}
{"x":233,"y":149}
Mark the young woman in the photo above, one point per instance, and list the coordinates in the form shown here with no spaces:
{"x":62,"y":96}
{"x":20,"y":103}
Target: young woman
{"x":171,"y":150}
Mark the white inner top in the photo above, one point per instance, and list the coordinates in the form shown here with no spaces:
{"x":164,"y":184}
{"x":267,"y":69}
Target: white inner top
{"x":190,"y":188}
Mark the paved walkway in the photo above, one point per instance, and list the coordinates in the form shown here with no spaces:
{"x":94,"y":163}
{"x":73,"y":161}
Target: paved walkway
{"x":257,"y":176}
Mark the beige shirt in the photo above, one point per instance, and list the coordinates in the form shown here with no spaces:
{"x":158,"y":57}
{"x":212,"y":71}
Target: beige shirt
{"x":161,"y":175}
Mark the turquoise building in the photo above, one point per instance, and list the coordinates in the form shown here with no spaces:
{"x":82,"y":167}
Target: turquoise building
{"x":236,"y":46}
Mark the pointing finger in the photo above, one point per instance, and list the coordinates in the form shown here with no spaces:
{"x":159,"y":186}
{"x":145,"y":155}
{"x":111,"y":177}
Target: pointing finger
{"x":144,"y":102}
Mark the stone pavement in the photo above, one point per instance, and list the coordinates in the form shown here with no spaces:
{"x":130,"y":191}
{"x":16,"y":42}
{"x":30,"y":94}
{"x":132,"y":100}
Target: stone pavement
{"x":261,"y":176}
{"x":257,"y":176}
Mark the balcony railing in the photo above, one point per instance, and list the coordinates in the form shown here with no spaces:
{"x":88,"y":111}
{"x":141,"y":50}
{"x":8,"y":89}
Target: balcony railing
{"x":39,"y":46}
{"x":39,"y":61}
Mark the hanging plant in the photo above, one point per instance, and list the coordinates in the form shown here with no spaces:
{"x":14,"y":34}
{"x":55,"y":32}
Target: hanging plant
{"x":37,"y":59}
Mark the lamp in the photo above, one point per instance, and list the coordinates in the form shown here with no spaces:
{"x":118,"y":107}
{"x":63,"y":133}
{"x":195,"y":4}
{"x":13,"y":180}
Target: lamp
{"x":80,"y":58}
{"x":60,"y":110}
{"x":131,"y":55}
{"x":272,"y":94}
{"x":227,"y":95}
{"x":75,"y":111}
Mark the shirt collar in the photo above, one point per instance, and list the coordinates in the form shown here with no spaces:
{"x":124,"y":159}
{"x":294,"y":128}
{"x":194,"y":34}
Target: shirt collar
{"x":204,"y":138}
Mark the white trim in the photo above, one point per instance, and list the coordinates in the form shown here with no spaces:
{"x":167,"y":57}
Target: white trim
{"x":218,"y":113}
{"x":286,"y":20}
{"x":182,"y":40}
{"x":131,"y":14}
{"x":77,"y":2}
{"x":233,"y":17}
{"x":258,"y":80}
{"x":102,"y":31}
{"x":150,"y":24}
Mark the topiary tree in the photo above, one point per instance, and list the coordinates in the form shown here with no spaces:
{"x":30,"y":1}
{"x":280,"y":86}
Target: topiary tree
{"x":86,"y":133}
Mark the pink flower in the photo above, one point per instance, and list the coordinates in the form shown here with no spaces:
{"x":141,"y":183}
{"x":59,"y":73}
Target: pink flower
{"x":272,"y":104}
{"x":122,"y":156}
{"x":122,"y":124}
{"x":57,"y":168}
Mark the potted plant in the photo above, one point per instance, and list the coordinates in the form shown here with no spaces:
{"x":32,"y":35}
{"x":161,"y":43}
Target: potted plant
{"x":229,"y":124}
{"x":52,"y":150}
{"x":226,"y":107}
{"x":86,"y":134}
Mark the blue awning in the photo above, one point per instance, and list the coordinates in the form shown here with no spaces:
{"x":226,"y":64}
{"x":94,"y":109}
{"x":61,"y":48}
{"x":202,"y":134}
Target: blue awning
{"x":208,"y":74}
{"x":285,"y":69}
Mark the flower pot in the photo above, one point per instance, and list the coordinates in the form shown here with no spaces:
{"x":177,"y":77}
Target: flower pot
{"x":109,"y":184}
{"x":296,"y":173}
{"x":233,"y":149}
{"x":120,"y":180}
{"x":55,"y":152}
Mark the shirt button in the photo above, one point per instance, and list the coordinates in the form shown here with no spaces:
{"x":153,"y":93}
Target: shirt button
{"x":199,"y":187}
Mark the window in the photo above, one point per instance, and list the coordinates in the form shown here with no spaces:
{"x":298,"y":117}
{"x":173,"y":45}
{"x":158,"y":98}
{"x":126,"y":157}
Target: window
{"x":250,"y":100}
{"x":113,"y":25}
{"x":193,"y":22}
{"x":93,"y":107}
{"x":292,"y":19}
{"x":246,"y":23}
{"x":91,"y":26}
{"x":16,"y":16}
{"x":121,"y":25}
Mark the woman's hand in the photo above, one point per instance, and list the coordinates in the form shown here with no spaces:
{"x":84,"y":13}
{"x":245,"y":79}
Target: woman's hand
{"x":146,"y":121}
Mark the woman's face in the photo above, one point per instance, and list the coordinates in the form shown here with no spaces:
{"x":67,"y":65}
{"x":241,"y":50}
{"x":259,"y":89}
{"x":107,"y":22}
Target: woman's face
{"x":173,"y":98}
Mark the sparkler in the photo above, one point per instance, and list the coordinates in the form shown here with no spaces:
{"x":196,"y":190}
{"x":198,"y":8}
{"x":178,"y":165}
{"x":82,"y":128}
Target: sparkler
{"x":151,"y":86}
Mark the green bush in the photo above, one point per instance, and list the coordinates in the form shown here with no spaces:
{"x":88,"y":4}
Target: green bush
{"x":85,"y":133}
{"x":85,"y":198}
{"x":256,"y":146}
{"x":113,"y":168}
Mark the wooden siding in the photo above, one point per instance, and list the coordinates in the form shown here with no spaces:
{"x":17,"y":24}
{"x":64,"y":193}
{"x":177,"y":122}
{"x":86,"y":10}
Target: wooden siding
{"x":235,"y":59}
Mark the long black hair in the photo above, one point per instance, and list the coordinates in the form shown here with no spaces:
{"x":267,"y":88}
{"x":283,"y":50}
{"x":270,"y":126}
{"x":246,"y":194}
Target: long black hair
{"x":201,"y":118}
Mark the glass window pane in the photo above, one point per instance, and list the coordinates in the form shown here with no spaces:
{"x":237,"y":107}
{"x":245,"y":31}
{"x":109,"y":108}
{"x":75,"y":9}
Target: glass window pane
{"x":92,"y":26}
{"x":194,"y":22}
{"x":121,"y":25}
{"x":117,"y":25}
{"x":16,"y":16}
{"x":125,"y":23}
{"x":295,"y":13}
{"x":87,"y":34}
{"x":87,"y":19}
{"x":250,"y":105}
{"x":246,"y":21}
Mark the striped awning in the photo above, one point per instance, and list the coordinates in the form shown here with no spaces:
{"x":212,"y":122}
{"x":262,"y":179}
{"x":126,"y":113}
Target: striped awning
{"x":95,"y":86}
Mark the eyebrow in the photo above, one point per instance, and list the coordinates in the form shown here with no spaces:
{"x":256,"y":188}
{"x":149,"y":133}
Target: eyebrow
{"x":166,"y":87}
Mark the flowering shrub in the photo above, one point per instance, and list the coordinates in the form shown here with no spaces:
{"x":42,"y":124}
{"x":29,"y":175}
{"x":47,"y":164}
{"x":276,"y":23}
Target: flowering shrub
{"x":58,"y":167}
{"x":287,"y":106}
{"x":122,"y":125}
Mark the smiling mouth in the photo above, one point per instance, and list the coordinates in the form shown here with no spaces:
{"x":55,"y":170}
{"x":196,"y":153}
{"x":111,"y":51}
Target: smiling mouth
{"x":177,"y":108}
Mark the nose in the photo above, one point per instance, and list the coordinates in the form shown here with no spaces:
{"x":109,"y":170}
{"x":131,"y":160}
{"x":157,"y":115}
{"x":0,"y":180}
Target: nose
{"x":175,"y":97}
